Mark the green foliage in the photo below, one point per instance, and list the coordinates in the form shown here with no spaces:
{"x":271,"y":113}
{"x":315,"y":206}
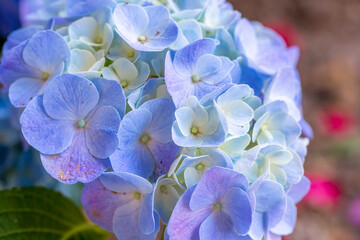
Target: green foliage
{"x":37,"y":213}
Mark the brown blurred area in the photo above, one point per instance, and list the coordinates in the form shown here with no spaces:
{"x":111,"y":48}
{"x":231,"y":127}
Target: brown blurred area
{"x":328,"y":33}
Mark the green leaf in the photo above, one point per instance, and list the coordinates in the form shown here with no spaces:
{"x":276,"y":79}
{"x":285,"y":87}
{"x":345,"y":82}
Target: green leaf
{"x":36,"y":213}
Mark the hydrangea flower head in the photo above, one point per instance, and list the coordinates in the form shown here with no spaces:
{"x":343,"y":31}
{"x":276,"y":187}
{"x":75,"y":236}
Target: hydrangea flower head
{"x":194,"y":110}
{"x":73,"y":127}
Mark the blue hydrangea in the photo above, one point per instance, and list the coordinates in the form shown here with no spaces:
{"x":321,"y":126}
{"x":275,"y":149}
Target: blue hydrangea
{"x":194,"y":71}
{"x":145,"y":144}
{"x":194,"y":110}
{"x":29,"y":67}
{"x":216,"y":208}
{"x":145,"y":28}
{"x":197,"y":125}
{"x":116,"y":201}
{"x":188,"y":169}
{"x":74,"y":126}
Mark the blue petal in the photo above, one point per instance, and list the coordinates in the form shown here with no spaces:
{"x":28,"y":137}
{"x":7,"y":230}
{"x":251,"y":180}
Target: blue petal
{"x":214,"y":184}
{"x":19,"y":36}
{"x":23,"y":90}
{"x":70,"y":97}
{"x":163,"y":116}
{"x":137,"y":160}
{"x":47,"y":135}
{"x":75,"y":163}
{"x":13,"y":66}
{"x":185,"y":59}
{"x":299,"y":190}
{"x":111,"y":94}
{"x":46,"y":50}
{"x":218,"y":226}
{"x":125,"y":182}
{"x":236,"y":205}
{"x":185,"y":223}
{"x":101,"y":132}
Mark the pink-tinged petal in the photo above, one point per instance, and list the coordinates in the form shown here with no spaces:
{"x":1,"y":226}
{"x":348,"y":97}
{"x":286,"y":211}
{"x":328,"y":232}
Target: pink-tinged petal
{"x":100,"y":203}
{"x":185,"y":223}
{"x":101,"y":132}
{"x":70,"y":97}
{"x":75,"y":164}
{"x":47,"y":135}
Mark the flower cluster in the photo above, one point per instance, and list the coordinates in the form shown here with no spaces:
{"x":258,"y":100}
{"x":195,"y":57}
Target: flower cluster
{"x":180,"y":113}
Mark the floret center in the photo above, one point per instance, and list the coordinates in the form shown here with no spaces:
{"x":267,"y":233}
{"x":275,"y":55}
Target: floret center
{"x":195,"y":78}
{"x":98,"y":40}
{"x":199,"y":166}
{"x":131,"y":54}
{"x":142,"y":39}
{"x":45,"y":76}
{"x":137,"y":195}
{"x":265,"y":126}
{"x":145,"y":138}
{"x":124,"y":83}
{"x":81,"y":123}
{"x":163,"y":188}
{"x":217,"y":206}
{"x":194,"y":130}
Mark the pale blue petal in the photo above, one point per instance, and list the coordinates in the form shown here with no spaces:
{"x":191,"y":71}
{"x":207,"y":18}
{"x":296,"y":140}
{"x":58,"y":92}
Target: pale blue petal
{"x":185,"y":117}
{"x":46,"y":50}
{"x":268,"y":195}
{"x":70,"y":97}
{"x":287,"y":224}
{"x":166,"y":197}
{"x":163,"y":116}
{"x":185,"y":59}
{"x":131,"y":21}
{"x":191,"y":30}
{"x":110,"y":94}
{"x":101,"y":132}
{"x":23,"y":90}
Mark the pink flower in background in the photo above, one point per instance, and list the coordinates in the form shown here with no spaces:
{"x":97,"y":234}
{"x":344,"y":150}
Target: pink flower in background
{"x":336,"y":122}
{"x":353,"y":212}
{"x":324,"y":192}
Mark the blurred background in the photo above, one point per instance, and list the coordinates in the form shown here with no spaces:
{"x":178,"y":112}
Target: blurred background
{"x":327,"y":32}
